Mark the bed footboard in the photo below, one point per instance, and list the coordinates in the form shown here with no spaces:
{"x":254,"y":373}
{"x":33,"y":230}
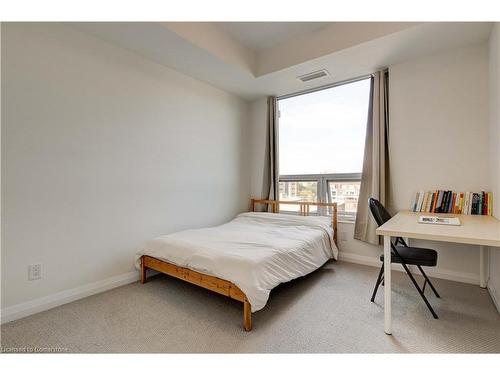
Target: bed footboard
{"x":212,"y":283}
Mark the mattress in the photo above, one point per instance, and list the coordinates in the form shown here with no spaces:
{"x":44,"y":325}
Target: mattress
{"x":256,"y":251}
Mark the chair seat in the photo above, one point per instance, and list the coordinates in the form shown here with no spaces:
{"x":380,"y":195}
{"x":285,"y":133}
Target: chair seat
{"x":414,"y":255}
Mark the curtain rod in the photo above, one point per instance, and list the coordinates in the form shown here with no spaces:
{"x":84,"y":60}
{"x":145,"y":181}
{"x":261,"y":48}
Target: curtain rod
{"x":324,"y":87}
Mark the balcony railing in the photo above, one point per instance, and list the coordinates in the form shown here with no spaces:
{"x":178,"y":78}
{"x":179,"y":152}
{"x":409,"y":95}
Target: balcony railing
{"x":342,"y":188}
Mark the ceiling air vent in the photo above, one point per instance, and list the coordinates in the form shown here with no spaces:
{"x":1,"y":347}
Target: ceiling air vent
{"x":314,"y":75}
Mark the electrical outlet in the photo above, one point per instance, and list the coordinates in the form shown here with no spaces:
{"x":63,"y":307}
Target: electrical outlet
{"x":34,"y":271}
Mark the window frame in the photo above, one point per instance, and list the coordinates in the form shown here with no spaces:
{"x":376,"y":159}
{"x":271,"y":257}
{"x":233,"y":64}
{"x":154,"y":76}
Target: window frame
{"x":322,"y":181}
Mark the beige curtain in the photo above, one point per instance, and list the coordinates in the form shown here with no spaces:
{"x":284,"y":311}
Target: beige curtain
{"x":374,"y":181}
{"x":270,"y":188}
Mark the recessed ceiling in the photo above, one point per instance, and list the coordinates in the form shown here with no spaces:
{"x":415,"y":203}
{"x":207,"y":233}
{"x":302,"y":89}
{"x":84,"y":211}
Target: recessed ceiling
{"x":261,"y":35}
{"x":346,"y":50}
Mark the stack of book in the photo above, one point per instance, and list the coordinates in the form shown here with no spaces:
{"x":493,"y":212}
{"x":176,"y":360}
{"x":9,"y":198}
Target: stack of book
{"x":447,"y":201}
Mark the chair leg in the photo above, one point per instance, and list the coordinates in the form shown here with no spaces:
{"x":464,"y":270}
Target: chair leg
{"x":419,"y":290}
{"x":379,"y":279}
{"x":429,"y":282}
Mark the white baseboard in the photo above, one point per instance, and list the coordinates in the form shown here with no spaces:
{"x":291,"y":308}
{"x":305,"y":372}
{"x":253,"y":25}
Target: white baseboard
{"x":440,"y":273}
{"x":48,"y":302}
{"x":495,"y":296}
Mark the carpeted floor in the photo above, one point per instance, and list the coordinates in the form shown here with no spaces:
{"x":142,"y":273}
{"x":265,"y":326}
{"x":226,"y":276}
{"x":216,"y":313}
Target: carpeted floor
{"x":327,"y":311}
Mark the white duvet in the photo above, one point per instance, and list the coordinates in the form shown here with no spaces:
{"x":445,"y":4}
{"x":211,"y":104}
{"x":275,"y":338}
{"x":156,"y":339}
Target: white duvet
{"x":256,"y":251}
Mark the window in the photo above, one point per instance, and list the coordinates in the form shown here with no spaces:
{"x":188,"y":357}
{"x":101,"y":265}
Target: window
{"x":321,"y":144}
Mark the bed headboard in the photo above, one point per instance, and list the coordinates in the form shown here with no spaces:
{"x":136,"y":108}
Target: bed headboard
{"x":304,"y":209}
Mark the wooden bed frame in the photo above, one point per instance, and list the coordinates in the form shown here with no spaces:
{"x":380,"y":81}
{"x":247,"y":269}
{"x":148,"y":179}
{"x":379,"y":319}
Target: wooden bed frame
{"x":221,"y":286}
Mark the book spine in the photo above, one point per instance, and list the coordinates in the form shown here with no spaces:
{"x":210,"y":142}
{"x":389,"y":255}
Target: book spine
{"x":469,"y":206}
{"x":444,"y":205}
{"x":431,"y":201}
{"x":474,"y":204}
{"x":420,"y":199}
{"x":485,"y":204}
{"x":461,"y":206}
{"x":466,"y":203}
{"x":434,"y":201}
{"x":424,"y":207}
{"x":454,"y":203}
{"x":480,"y":203}
{"x":450,"y":201}
{"x":490,"y":203}
{"x":428,"y":205}
{"x":424,"y":202}
{"x":440,"y":200}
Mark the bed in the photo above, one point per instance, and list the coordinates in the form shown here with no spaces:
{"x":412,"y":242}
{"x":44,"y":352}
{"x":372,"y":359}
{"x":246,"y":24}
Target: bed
{"x":247,"y":257}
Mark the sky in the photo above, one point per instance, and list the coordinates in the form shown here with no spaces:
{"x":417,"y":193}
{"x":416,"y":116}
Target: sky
{"x":324,"y":131}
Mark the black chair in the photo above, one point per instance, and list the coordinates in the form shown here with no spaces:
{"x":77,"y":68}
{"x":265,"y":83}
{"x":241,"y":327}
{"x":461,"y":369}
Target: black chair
{"x":404,"y":255}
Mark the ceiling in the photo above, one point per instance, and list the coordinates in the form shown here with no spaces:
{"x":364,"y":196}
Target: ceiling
{"x":253,"y":60}
{"x":258,"y":36}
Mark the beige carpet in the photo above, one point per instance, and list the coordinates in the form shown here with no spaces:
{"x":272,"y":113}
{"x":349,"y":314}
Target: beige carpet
{"x":327,"y":311}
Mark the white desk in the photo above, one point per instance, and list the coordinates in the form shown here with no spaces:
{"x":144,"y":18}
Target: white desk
{"x":474,"y":230}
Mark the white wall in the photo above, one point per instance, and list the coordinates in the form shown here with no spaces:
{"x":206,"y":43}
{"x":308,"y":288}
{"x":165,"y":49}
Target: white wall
{"x":101,"y":151}
{"x":494,"y":45}
{"x":439,"y":135}
{"x":438,"y":111}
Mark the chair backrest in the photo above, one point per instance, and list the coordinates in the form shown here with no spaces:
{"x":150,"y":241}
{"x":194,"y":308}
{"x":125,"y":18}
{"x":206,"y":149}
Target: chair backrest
{"x":379,"y":212}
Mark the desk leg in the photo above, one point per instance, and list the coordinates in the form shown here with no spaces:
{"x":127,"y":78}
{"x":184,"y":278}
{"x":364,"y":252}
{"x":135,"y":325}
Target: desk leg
{"x":483,"y":266}
{"x":387,"y":285}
